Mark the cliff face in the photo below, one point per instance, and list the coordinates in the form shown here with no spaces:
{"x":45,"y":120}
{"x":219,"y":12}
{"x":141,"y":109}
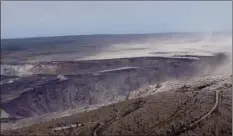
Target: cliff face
{"x":92,"y":66}
{"x":79,"y":84}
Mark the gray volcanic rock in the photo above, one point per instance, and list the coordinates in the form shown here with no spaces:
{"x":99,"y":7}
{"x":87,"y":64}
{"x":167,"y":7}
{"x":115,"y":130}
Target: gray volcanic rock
{"x":79,"y":84}
{"x":204,"y":85}
{"x":91,"y":66}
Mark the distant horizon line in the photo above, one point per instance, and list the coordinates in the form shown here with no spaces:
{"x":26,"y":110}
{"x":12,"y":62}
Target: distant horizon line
{"x":114,"y":34}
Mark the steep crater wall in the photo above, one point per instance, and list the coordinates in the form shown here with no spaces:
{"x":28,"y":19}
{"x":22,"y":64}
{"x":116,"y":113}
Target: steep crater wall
{"x":96,"y":82}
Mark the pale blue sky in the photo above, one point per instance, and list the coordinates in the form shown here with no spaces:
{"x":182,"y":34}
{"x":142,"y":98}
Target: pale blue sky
{"x":52,"y":18}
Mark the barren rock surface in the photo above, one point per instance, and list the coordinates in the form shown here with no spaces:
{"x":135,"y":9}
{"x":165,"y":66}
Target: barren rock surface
{"x":51,"y":87}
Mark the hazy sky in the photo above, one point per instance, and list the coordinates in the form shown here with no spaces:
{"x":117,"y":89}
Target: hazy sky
{"x":50,"y":18}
